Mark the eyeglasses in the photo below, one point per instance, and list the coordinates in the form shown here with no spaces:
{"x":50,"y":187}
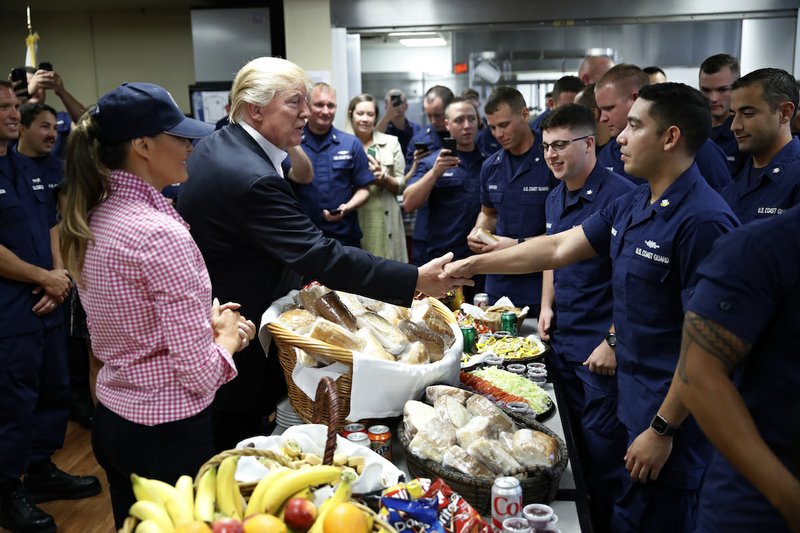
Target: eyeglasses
{"x":559,"y":146}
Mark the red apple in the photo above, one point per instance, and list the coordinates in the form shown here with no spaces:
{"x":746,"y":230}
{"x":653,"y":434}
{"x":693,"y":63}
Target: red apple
{"x":299,"y":514}
{"x":227,"y":525}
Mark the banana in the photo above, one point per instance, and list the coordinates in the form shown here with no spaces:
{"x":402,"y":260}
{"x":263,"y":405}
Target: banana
{"x":147,"y":510}
{"x":256,"y":503}
{"x":148,"y":526}
{"x":179,"y":509}
{"x":229,"y":499}
{"x":342,"y":494}
{"x":298,"y":480}
{"x":206,"y":495}
{"x":181,"y":506}
{"x":144,"y":490}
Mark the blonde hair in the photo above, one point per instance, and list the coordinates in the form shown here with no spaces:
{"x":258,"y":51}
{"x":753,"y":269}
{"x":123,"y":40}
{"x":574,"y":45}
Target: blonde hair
{"x":261,"y":79}
{"x":86,"y":184}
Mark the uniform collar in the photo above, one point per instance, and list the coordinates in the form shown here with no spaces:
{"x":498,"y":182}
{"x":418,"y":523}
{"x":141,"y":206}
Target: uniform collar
{"x":775,"y":169}
{"x":333,"y":136}
{"x":125,"y":185}
{"x":666,"y":204}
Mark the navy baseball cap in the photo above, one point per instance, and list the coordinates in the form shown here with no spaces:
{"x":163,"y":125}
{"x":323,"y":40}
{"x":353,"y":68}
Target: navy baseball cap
{"x":136,"y":109}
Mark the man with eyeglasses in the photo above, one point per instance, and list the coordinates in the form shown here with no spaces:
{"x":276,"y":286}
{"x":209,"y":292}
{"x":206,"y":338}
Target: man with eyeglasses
{"x":515,"y":182}
{"x":717,"y":74}
{"x":421,"y":145}
{"x":341,"y":171}
{"x":763,"y":104}
{"x":655,"y":236}
{"x":615,"y":93}
{"x":577,"y":305}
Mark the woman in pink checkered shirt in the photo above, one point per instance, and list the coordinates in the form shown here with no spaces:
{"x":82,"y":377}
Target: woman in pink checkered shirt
{"x":166,"y":348}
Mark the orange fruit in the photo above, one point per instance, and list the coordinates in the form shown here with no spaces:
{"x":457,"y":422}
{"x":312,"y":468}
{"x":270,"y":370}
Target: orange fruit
{"x":345,"y":518}
{"x":264,"y":523}
{"x":193,"y":527}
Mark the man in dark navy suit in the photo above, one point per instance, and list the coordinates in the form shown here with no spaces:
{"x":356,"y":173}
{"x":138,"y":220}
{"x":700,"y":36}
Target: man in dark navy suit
{"x":257,"y":241}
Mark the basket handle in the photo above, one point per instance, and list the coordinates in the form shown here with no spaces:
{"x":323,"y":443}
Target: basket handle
{"x":327,"y":396}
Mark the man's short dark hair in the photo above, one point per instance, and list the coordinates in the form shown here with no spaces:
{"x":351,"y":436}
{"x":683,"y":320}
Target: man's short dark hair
{"x":29,"y":111}
{"x":571,"y":116}
{"x":778,"y":86}
{"x":677,"y":104}
{"x":717,"y":62}
{"x":439,"y":91}
{"x":504,"y":95}
{"x":624,"y":76}
{"x":567,"y":84}
{"x":469,"y":92}
{"x":654,"y":70}
{"x":462,"y":100}
{"x":586,"y":97}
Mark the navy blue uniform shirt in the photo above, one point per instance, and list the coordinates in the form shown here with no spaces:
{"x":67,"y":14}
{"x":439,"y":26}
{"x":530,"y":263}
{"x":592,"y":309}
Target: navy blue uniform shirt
{"x":340,"y":166}
{"x":583,"y":301}
{"x":655,"y":249}
{"x":519,"y":199}
{"x":453,"y":205}
{"x":405,"y":135}
{"x":774,"y":190}
{"x":726,"y":140}
{"x":486,"y":142}
{"x":26,"y":216}
{"x":750,"y":285}
{"x":710,"y":160}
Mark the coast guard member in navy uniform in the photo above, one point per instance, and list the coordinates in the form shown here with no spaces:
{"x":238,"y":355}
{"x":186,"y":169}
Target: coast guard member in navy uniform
{"x":763,"y":104}
{"x":341,"y":171}
{"x":515,"y":183}
{"x":615,"y":94}
{"x":34,"y":386}
{"x":717,"y":74}
{"x":577,"y":305}
{"x":656,"y":236}
{"x":740,"y":378}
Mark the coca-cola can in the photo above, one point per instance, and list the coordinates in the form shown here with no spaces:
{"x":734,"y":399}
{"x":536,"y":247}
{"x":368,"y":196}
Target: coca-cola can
{"x":506,"y":500}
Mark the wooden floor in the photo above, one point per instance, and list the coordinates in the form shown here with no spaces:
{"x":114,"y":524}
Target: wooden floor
{"x":90,"y":515}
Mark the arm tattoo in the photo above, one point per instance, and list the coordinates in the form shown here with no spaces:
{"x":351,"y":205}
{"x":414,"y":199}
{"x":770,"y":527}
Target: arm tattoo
{"x":714,"y":339}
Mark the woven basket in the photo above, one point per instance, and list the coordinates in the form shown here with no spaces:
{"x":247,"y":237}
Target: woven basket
{"x":325,"y":411}
{"x":540,"y":486}
{"x":287,"y":341}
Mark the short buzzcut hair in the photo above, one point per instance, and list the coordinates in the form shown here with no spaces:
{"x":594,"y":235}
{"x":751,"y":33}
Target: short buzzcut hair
{"x":586,"y":97}
{"x":571,"y":116}
{"x":504,"y":95}
{"x":261,"y":79}
{"x":567,"y":84}
{"x":654,"y":70}
{"x":677,"y":104}
{"x":717,"y":62}
{"x":778,"y":86}
{"x":30,"y":110}
{"x":439,"y":91}
{"x":625,"y":76}
{"x":461,"y":100}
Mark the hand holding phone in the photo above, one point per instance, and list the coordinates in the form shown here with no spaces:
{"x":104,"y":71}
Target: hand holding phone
{"x":44,"y":65}
{"x":421,"y":146}
{"x":335,"y":212}
{"x":20,"y":80}
{"x":396,"y":100}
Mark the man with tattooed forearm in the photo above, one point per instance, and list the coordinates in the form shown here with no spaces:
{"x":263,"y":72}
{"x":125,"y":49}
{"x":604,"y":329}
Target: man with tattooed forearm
{"x":739,"y":375}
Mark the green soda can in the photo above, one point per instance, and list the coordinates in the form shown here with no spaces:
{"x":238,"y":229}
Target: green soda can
{"x":470,"y":336}
{"x":508,"y":322}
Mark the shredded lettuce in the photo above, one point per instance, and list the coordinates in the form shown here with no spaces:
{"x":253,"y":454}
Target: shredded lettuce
{"x":537,"y":398}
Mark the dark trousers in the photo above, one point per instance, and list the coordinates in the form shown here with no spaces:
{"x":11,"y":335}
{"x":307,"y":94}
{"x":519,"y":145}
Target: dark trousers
{"x":163,"y":452}
{"x":34,"y":399}
{"x":591,"y":403}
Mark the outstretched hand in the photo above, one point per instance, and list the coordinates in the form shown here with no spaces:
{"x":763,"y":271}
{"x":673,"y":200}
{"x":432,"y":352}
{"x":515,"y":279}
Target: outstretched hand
{"x":433,"y":280}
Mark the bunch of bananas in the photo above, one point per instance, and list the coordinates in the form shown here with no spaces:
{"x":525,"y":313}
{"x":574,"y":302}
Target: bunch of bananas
{"x":163,"y":508}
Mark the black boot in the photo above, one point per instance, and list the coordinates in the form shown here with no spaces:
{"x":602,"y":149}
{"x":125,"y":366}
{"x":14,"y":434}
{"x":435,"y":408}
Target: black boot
{"x":19,"y":514}
{"x":45,"y":482}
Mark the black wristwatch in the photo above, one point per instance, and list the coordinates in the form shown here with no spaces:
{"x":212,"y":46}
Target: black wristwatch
{"x":660,"y":425}
{"x":611,"y":339}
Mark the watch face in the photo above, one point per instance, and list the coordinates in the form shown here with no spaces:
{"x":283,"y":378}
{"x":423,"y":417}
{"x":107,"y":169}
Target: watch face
{"x":659,"y":425}
{"x":611,"y":339}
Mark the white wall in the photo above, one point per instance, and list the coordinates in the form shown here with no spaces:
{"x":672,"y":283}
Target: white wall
{"x":394,"y":57}
{"x":768,"y":43}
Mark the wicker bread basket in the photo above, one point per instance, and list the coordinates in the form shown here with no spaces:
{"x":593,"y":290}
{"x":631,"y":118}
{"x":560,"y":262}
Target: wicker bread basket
{"x":288,"y":341}
{"x":326,"y":411}
{"x":540,"y":485}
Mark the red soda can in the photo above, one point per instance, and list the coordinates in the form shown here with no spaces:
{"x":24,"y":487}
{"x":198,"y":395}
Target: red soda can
{"x":506,"y":500}
{"x":380,"y":440}
{"x":352,"y":428}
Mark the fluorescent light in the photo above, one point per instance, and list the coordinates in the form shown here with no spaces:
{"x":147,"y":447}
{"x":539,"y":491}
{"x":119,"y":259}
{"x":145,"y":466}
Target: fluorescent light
{"x":411,"y":33}
{"x":424,"y":41}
